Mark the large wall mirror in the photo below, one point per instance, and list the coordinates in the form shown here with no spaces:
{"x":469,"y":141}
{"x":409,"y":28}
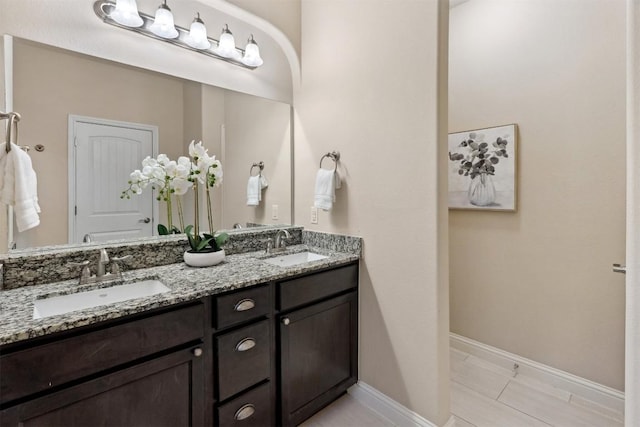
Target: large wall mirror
{"x":52,"y":87}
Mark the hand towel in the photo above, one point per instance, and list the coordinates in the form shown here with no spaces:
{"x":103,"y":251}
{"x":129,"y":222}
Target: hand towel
{"x":325,"y":191}
{"x":19,"y":186}
{"x":254,"y":193}
{"x":263,"y":182}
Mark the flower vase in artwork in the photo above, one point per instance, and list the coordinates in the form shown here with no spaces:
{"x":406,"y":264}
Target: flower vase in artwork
{"x":482,"y":192}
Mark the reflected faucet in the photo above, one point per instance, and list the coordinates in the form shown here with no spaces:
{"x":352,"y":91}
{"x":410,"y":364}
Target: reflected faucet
{"x":279,"y":245}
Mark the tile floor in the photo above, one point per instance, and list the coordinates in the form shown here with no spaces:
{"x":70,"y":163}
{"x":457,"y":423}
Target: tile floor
{"x":484,"y":394}
{"x":487,"y":395}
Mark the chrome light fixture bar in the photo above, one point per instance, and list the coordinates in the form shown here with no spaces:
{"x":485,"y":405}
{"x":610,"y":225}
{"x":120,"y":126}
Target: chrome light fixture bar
{"x":104,"y":9}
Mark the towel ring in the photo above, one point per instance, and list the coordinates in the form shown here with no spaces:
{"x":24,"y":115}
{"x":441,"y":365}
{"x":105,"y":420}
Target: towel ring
{"x":259,"y":165}
{"x":335,"y":156}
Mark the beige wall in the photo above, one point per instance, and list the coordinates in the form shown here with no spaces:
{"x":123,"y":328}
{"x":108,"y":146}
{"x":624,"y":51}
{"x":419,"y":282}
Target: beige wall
{"x":50,"y":84}
{"x":213,"y":116}
{"x":3,"y":211}
{"x":256,"y":130}
{"x":538,"y":282}
{"x":283,"y":14}
{"x":372,"y":94}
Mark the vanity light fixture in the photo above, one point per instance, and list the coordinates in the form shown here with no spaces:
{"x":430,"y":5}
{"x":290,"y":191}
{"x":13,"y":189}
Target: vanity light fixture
{"x":126,"y":13}
{"x":123,"y":13}
{"x":227,"y":44}
{"x":197,"y":37}
{"x":252,"y":54}
{"x":163,"y":25}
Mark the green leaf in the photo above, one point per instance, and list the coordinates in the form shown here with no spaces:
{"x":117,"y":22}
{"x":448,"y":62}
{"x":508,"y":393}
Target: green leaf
{"x":162,"y":230}
{"x":221,"y":239}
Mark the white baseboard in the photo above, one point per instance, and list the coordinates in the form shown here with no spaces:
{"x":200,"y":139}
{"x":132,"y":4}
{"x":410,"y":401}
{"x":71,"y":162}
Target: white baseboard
{"x":388,"y":408}
{"x":598,"y":393}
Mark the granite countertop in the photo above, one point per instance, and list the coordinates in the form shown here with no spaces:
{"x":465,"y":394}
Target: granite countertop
{"x":186,"y":283}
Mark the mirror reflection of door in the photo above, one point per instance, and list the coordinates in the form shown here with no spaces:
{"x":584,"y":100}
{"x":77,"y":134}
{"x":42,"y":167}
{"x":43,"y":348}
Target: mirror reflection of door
{"x":104,"y":155}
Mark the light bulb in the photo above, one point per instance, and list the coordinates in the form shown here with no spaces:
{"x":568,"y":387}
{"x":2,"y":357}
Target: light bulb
{"x":251,"y":56}
{"x":126,"y":13}
{"x":163,"y":25}
{"x":227,"y":45}
{"x":197,"y":37}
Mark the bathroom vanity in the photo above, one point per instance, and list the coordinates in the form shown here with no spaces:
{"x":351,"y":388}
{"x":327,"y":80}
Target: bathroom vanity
{"x":245,"y":343}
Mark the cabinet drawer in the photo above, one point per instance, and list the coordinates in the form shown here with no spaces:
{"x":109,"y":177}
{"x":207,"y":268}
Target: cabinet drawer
{"x":252,"y":409}
{"x":303,"y":290}
{"x":49,"y":365}
{"x":244,"y":358}
{"x":241,"y":306}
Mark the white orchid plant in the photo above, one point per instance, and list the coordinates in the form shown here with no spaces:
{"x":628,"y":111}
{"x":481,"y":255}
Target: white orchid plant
{"x":173,"y":179}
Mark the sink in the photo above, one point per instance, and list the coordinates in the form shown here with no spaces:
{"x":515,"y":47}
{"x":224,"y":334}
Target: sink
{"x":62,"y":304}
{"x":294,"y":259}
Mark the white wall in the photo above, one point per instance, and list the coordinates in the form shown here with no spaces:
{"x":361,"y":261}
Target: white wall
{"x":538,"y":282}
{"x":372,"y":93}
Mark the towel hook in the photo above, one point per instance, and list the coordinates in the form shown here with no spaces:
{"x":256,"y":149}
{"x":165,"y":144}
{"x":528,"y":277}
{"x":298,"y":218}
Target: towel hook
{"x":335,"y":156}
{"x":259,"y":165}
{"x":13,"y":118}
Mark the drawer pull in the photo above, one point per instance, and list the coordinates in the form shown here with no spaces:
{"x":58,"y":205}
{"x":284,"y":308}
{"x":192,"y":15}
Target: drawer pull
{"x":197,"y":352}
{"x":246,"y":344}
{"x":286,"y":321}
{"x":244,"y":305}
{"x":245,"y":412}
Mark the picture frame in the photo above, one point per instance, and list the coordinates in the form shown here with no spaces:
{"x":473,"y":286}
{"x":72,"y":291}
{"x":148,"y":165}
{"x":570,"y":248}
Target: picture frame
{"x":483,"y":169}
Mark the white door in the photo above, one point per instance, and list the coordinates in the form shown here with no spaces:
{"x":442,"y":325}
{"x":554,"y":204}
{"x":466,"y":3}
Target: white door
{"x":105,"y":154}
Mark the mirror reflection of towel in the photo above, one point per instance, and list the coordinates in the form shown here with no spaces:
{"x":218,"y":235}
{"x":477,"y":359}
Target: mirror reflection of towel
{"x":19,"y":186}
{"x":254,"y":194}
{"x":325,"y":191}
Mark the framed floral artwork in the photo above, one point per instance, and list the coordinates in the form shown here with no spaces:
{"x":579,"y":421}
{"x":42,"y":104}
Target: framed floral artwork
{"x":482,"y":169}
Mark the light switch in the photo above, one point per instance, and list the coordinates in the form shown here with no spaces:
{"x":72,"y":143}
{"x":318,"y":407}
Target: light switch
{"x":314,"y":215}
{"x":274,"y":211}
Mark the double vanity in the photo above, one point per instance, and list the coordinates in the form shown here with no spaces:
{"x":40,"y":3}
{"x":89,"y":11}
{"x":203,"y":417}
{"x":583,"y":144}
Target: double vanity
{"x":259,"y":340}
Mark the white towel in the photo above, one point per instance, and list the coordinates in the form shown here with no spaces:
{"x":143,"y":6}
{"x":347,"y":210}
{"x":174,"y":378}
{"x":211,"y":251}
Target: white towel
{"x":254,"y":193}
{"x":19,"y":186}
{"x":263,"y":182}
{"x":325,"y":192}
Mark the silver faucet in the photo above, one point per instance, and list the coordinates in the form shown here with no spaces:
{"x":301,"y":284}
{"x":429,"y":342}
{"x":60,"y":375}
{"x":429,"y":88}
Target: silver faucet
{"x":281,"y":236}
{"x":103,"y":261}
{"x":101,"y":269}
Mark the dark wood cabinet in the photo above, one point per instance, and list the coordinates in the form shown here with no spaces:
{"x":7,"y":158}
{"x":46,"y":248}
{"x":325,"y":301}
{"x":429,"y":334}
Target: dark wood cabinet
{"x":146,"y":370}
{"x":318,"y":347}
{"x":271,"y":354}
{"x":165,"y":391}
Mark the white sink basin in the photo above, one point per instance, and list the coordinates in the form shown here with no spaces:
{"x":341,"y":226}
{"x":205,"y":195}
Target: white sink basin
{"x":104,"y":296}
{"x":294,"y":259}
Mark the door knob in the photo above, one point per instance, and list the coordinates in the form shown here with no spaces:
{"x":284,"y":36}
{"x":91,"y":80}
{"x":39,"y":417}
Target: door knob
{"x":618,"y":268}
{"x":145,"y":220}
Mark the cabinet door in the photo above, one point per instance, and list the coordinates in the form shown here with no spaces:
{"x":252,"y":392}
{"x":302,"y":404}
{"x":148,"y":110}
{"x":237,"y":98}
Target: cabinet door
{"x":167,"y":391}
{"x":318,"y":356}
